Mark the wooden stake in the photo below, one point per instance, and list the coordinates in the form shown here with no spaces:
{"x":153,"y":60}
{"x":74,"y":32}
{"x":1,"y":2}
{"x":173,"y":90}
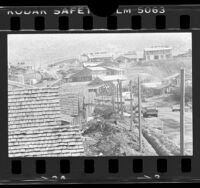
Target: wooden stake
{"x":139,"y":115}
{"x":120,"y":95}
{"x":162,"y":127}
{"x":113,"y":99}
{"x":117,"y":95}
{"x":182,"y":112}
{"x":131,"y":106}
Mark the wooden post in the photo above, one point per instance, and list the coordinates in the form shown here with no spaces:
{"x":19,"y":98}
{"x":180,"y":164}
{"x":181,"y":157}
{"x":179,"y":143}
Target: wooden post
{"x":84,"y":109}
{"x":120,"y":95}
{"x":162,"y":127}
{"x":117,"y":95}
{"x":131,"y":106}
{"x":182,"y":112}
{"x":139,"y":114}
{"x":113,"y":99}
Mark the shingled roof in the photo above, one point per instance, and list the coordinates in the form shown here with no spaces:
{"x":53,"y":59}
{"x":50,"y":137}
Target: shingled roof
{"x":18,"y":85}
{"x":34,"y":125}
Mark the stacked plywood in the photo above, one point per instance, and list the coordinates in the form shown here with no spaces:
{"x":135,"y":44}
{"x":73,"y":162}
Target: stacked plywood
{"x":69,"y":103}
{"x":80,"y":88}
{"x":34,"y":125}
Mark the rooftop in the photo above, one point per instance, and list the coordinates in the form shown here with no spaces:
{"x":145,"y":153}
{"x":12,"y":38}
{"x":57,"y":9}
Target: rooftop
{"x":65,"y":61}
{"x":82,"y":73}
{"x":34,"y":125}
{"x":96,"y":68}
{"x":151,"y":84}
{"x":172,"y":76}
{"x":112,"y":77}
{"x":91,"y":64}
{"x":97,"y":82}
{"x":156,"y":48}
{"x":176,"y":75}
{"x":130,"y":56}
{"x":19,"y":84}
{"x":113,"y":68}
{"x":99,"y":55}
{"x":108,"y":63}
{"x":130,"y":53}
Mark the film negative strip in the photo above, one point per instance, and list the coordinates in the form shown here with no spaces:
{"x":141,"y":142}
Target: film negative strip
{"x":87,"y":98}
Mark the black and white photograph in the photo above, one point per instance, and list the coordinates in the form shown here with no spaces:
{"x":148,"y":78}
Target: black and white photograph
{"x":100,"y":94}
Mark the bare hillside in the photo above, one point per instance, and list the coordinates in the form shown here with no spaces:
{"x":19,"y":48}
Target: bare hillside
{"x":156,"y":70}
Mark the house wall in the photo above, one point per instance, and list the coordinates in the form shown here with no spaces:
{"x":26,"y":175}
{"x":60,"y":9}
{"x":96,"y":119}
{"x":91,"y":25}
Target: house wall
{"x":81,"y":79}
{"x":84,"y":58}
{"x":96,"y":73}
{"x":114,"y":72}
{"x":158,"y":54}
{"x":80,"y":88}
{"x":96,"y":59}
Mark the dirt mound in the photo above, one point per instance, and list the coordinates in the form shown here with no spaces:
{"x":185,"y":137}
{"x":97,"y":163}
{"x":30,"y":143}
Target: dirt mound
{"x":102,"y":126}
{"x":109,"y":139}
{"x":104,"y":111}
{"x":160,"y":142}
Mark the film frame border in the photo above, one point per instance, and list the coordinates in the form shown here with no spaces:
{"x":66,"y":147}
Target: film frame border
{"x":147,"y":168}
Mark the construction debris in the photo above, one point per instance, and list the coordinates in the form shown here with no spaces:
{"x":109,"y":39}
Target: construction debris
{"x":105,"y":138}
{"x":162,"y":145}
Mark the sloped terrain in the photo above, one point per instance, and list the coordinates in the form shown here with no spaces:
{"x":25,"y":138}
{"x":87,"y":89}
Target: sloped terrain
{"x":156,"y":70}
{"x":104,"y":138}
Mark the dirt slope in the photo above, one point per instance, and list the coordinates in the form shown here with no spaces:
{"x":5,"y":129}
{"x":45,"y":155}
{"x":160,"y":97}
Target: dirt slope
{"x":156,"y":70}
{"x":113,"y":140}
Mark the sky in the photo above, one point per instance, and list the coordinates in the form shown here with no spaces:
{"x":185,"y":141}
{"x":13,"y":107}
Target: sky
{"x":41,"y":49}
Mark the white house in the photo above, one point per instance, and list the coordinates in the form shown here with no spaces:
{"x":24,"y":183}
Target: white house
{"x":157,"y":53}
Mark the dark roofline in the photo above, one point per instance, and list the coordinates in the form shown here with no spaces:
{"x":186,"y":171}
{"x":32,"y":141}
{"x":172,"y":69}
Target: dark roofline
{"x":18,"y":84}
{"x":81,"y":73}
{"x":62,"y":61}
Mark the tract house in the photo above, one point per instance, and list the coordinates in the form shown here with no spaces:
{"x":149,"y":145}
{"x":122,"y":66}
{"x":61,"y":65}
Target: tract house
{"x":96,"y":57}
{"x":87,"y":74}
{"x":157,"y":53}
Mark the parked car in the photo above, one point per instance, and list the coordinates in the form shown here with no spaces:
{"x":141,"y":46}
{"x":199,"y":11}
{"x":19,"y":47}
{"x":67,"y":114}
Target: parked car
{"x":150,"y":111}
{"x":176,"y":108}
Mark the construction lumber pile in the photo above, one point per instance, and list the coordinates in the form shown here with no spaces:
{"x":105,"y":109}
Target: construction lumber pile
{"x":69,"y":103}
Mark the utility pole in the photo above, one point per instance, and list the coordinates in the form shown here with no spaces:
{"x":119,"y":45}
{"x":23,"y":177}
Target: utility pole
{"x":131,"y":106}
{"x":182,"y":112}
{"x":162,"y":127}
{"x":117,"y":95}
{"x":113,"y":99}
{"x":139,"y":114}
{"x":120,"y":92}
{"x":35,"y":70}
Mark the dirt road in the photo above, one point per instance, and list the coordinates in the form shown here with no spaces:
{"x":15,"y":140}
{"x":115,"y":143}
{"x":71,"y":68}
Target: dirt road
{"x":171,"y":126}
{"x":171,"y":122}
